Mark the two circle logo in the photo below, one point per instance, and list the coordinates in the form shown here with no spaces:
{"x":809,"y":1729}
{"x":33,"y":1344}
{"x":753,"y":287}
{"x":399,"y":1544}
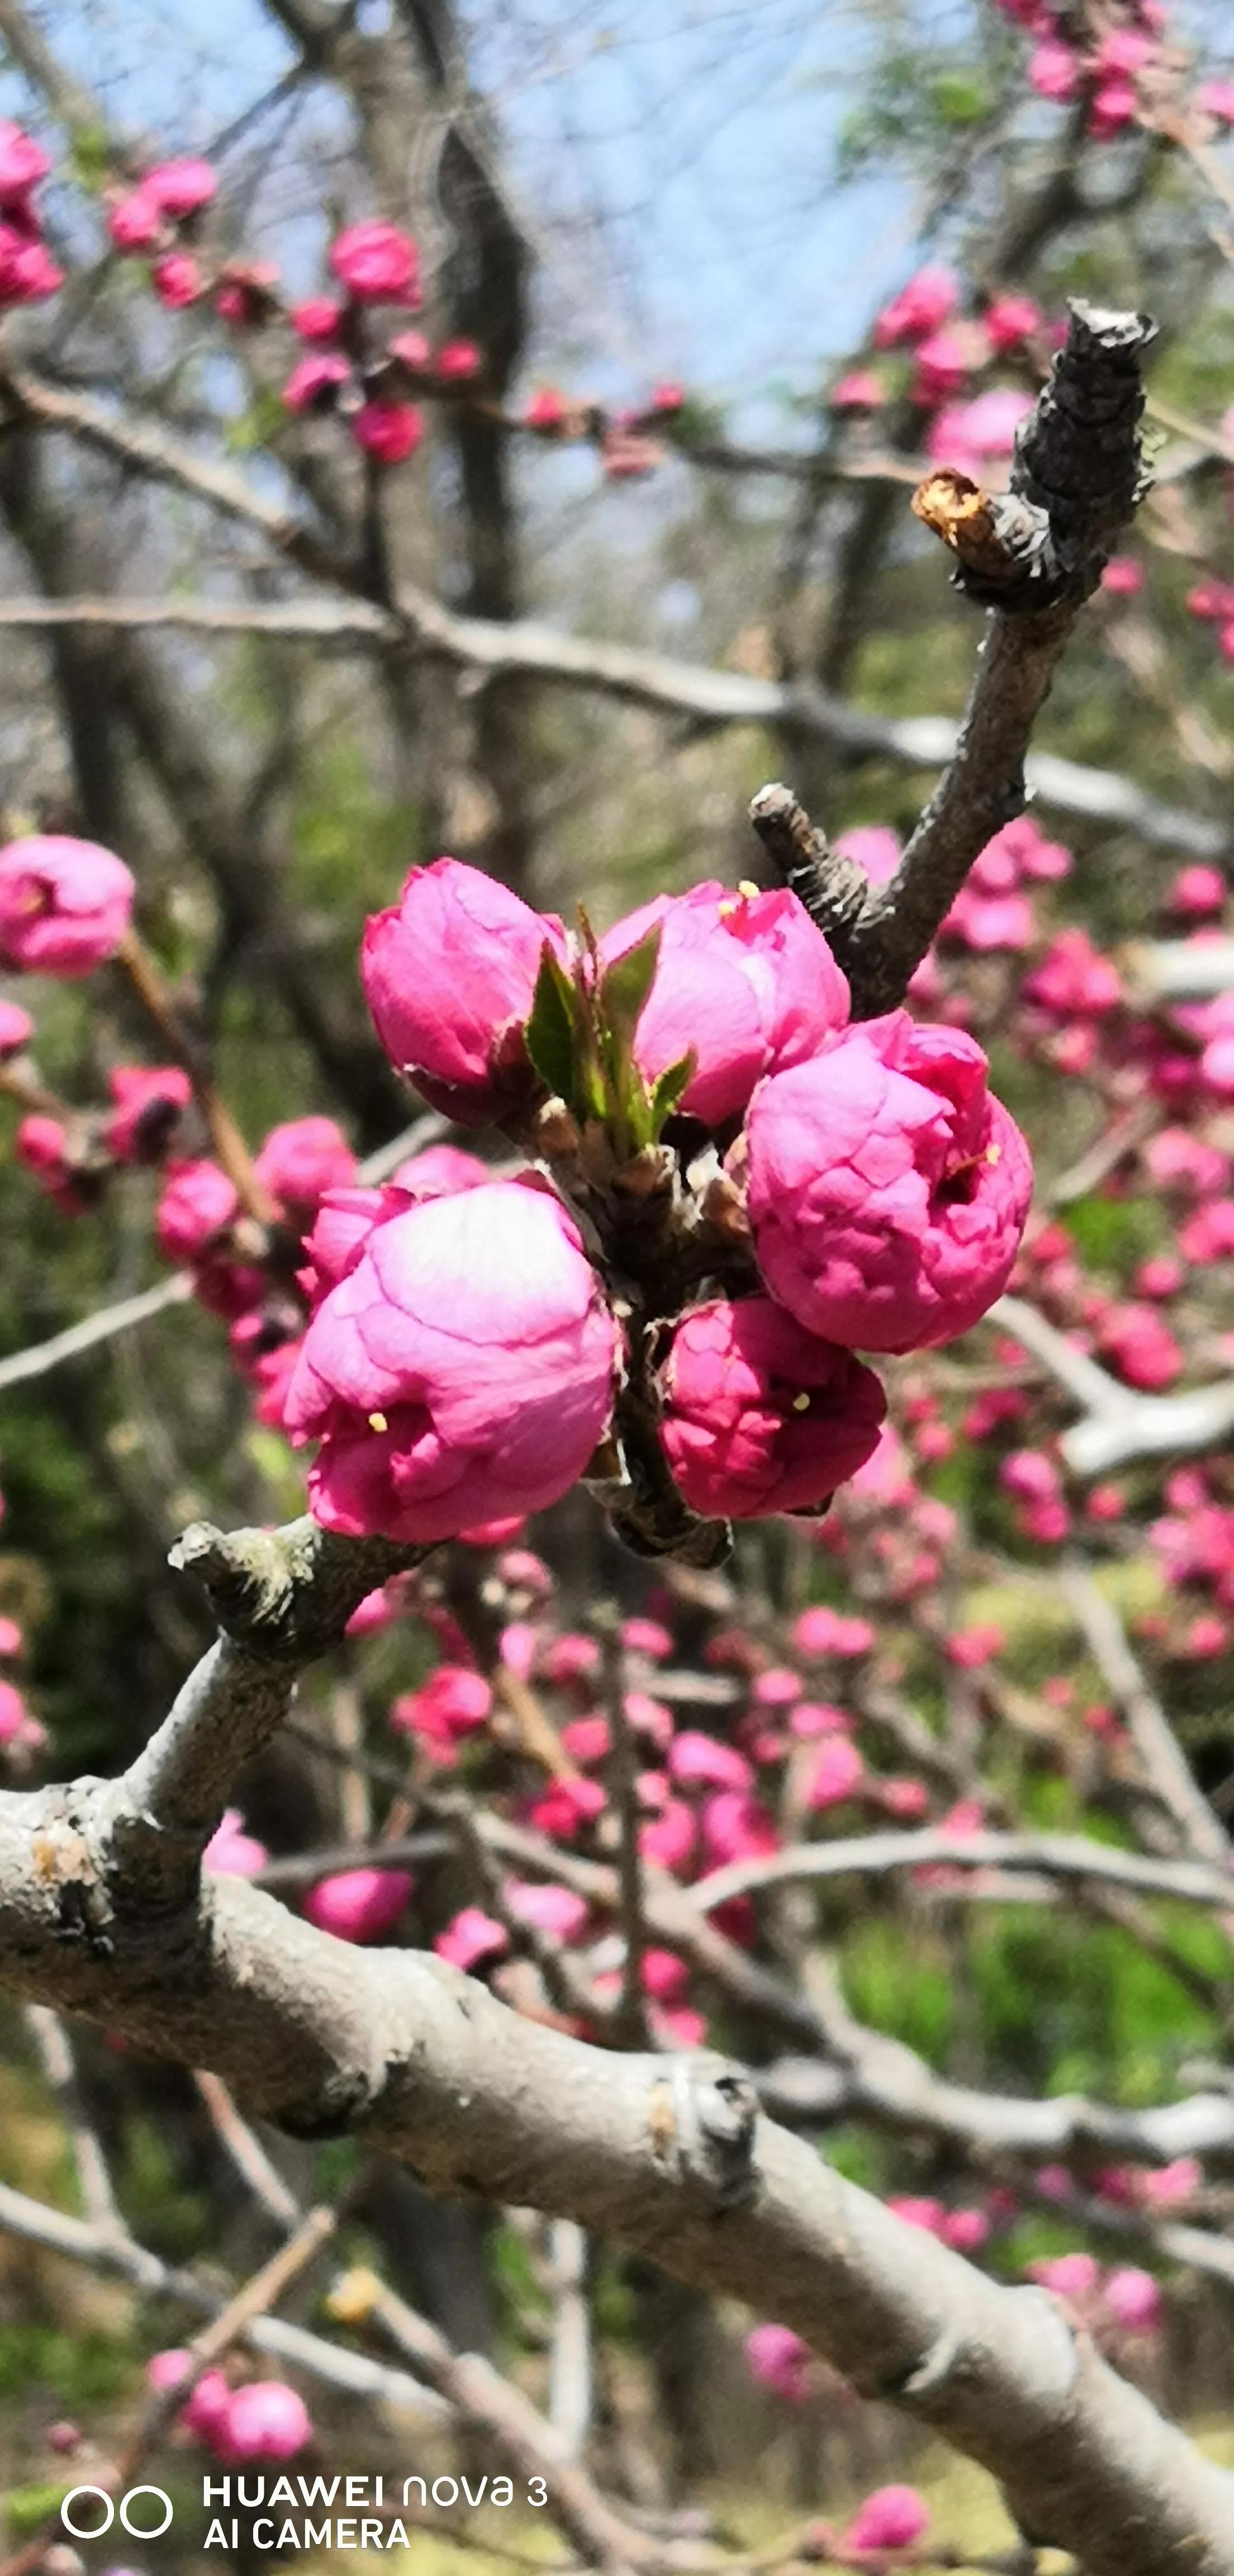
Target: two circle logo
{"x":94,"y":2530}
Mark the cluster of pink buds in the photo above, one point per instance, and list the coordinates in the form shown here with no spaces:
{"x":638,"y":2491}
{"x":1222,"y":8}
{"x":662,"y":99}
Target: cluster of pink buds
{"x":968,"y":424}
{"x":1118,"y":70}
{"x":463,"y":1356}
{"x":366,"y":379}
{"x":262,"y":2420}
{"x":28,"y":273}
{"x":159,"y":221}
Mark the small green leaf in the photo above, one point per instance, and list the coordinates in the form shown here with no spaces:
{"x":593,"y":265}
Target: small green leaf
{"x":551,"y":1027}
{"x":670,"y":1089}
{"x":624,"y":988}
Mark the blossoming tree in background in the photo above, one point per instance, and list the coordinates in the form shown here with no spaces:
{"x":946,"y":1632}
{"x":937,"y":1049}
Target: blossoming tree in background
{"x":748,"y":1679}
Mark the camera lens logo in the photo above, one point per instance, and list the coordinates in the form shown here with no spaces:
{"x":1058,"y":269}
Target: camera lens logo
{"x":90,"y":2527}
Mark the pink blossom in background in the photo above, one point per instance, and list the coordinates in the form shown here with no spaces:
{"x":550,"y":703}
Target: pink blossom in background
{"x":314,"y":381}
{"x":547,"y":1907}
{"x":888,"y":1189}
{"x":377,"y":263}
{"x":317,"y":317}
{"x":669,"y":1839}
{"x":149,"y":1100}
{"x":587,"y":1739}
{"x":458,"y":362}
{"x":16,"y":1030}
{"x":836,"y":1774}
{"x":264,"y":2421}
{"x":928,"y":300}
{"x":970,"y":1648}
{"x":778,"y":2359}
{"x":942,"y":365}
{"x":304,"y":1158}
{"x":918,"y":2209}
{"x":1196,"y":893}
{"x":451,"y":1704}
{"x":10,"y":1637}
{"x":1140,"y":1345}
{"x":519,"y":1643}
{"x":1134,"y":2299}
{"x":181,"y":188}
{"x":892,"y":2518}
{"x":758,"y":1415}
{"x":859,"y":390}
{"x":812,"y":1718}
{"x":647,"y":1637}
{"x":388,"y":431}
{"x":23,"y":163}
{"x":1053,"y":70}
{"x":359,"y":1904}
{"x":463,"y":1368}
{"x":1069,"y":2276}
{"x":1123,"y":577}
{"x":1216,"y":98}
{"x":565,"y":1806}
{"x":135,"y":221}
{"x":198,"y":1204}
{"x":15,"y":1718}
{"x":41,"y":1146}
{"x":65,"y":905}
{"x":547,"y":410}
{"x":875,"y":847}
{"x":472,"y":1937}
{"x":745,"y":980}
{"x":1073,"y":977}
{"x":177,"y":280}
{"x":734,"y":1827}
{"x":230,"y":1852}
{"x":823,"y":1631}
{"x":449,"y":973}
{"x":697,"y":1759}
{"x":1010,"y":320}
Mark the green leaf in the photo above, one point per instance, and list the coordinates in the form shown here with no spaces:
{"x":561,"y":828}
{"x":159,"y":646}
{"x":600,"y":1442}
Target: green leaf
{"x":551,"y":1027}
{"x":671,"y":1087}
{"x":624,"y":988}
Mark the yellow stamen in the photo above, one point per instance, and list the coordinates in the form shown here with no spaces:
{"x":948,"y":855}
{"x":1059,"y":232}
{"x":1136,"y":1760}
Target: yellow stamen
{"x":801,"y":1404}
{"x":747,"y":887}
{"x":378,"y":1422}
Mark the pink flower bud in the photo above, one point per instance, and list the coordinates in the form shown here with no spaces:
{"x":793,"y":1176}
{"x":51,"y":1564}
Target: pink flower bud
{"x":1069,"y":2276}
{"x":969,"y":1648}
{"x":458,"y":362}
{"x":23,"y":163}
{"x":65,"y":905}
{"x":198,"y":1205}
{"x":778,"y":2359}
{"x":823,"y":1631}
{"x":1133,"y":2298}
{"x":177,"y":280}
{"x":136,"y":221}
{"x":699,"y":1758}
{"x":547,"y":411}
{"x":647,"y":1637}
{"x":1197,"y":892}
{"x":463,"y":1369}
{"x":414,"y":351}
{"x":941,"y":369}
{"x":735,"y":1827}
{"x":265,"y":2421}
{"x":565,"y":1807}
{"x":359,"y":1904}
{"x":1124,"y":49}
{"x":16,"y":1030}
{"x":859,"y":390}
{"x":922,"y":306}
{"x":149,"y":1099}
{"x":231,"y":1853}
{"x":471,"y":1937}
{"x":891,"y":2518}
{"x":41,"y":1146}
{"x":245,"y":295}
{"x":669,"y":1840}
{"x":1114,"y":106}
{"x":28,"y":273}
{"x":1123,"y":577}
{"x":888,"y":1189}
{"x":1216,"y":98}
{"x":758,"y":1415}
{"x":1053,"y":70}
{"x":1010,"y":320}
{"x":837,"y":1774}
{"x":744,"y":979}
{"x":449,"y":973}
{"x":389,"y":432}
{"x":317,"y":318}
{"x":15,"y":1719}
{"x":303,"y":1159}
{"x":377,"y":263}
{"x":181,"y":187}
{"x":547,"y":1907}
{"x":314,"y":382}
{"x":1141,"y":1346}
{"x":452,"y":1703}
